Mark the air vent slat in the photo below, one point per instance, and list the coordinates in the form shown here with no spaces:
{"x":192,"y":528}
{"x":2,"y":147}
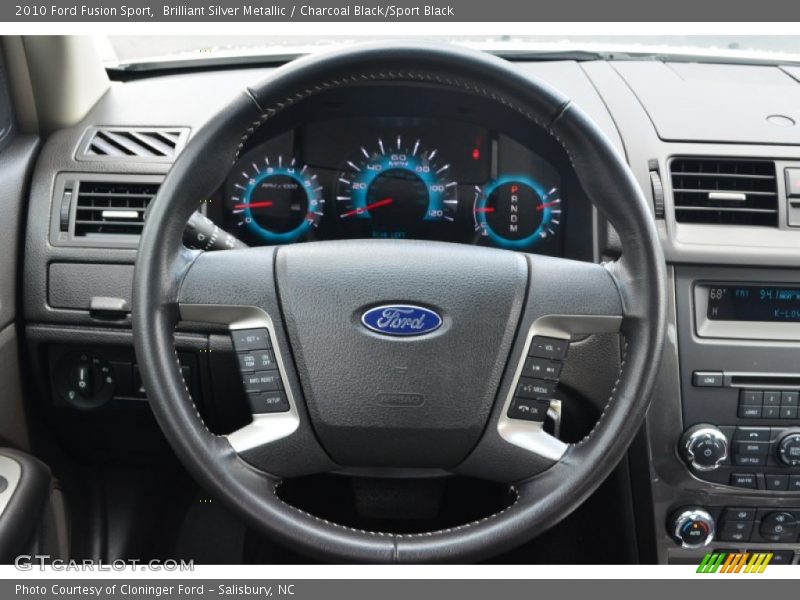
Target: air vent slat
{"x":112,"y":208}
{"x":720,"y":191}
{"x":153,"y":144}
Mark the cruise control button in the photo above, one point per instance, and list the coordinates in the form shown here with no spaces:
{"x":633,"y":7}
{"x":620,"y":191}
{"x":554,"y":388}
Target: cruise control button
{"x":262,"y":381}
{"x":258,"y":360}
{"x":776,"y":483}
{"x":535,"y":388}
{"x":745,"y":480}
{"x":541,"y":368}
{"x":250,"y":339}
{"x":528,"y":409}
{"x":751,"y":434}
{"x":545,"y":347}
{"x":707,"y":379}
{"x":268,"y":402}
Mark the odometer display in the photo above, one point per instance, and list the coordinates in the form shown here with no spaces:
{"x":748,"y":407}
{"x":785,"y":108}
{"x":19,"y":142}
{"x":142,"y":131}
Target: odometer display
{"x":753,"y":303}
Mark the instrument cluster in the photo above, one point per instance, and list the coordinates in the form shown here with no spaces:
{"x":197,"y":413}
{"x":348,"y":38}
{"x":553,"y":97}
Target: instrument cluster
{"x":396,"y":178}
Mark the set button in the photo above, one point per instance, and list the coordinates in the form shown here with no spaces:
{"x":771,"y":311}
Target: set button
{"x":260,"y":376}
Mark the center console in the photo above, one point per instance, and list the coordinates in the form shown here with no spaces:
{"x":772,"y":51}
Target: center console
{"x":726,"y":457}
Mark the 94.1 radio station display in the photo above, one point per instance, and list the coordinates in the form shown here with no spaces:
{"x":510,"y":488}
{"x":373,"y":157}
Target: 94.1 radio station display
{"x":753,"y":303}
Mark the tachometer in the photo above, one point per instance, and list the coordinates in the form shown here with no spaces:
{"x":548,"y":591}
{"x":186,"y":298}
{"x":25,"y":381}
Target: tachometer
{"x":396,"y":186}
{"x":516,"y":212}
{"x":276,"y":201}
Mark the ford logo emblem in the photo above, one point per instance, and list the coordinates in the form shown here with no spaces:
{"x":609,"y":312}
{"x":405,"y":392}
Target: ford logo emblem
{"x":401,"y":320}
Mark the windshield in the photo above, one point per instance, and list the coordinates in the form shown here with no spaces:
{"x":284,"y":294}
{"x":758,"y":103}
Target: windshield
{"x":122,"y":51}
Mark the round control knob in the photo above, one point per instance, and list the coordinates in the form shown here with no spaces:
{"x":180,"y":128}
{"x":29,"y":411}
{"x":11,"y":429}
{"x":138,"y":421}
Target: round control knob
{"x":789,"y":450}
{"x":704,"y":447}
{"x":693,"y":527}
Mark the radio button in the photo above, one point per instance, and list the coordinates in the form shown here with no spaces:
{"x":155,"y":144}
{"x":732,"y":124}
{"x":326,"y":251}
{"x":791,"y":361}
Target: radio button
{"x":749,"y":461}
{"x":788,"y":412}
{"x":789,"y":398}
{"x":751,"y":448}
{"x":751,"y":398}
{"x":776,"y":483}
{"x":751,"y":434}
{"x":745,"y":480}
{"x":772,"y":398}
{"x":749,"y":412}
{"x":771,"y":412}
{"x":707,"y":379}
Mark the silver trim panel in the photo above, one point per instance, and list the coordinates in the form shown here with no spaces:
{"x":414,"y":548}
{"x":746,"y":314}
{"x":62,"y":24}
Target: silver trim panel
{"x":264,"y":428}
{"x":11,"y":471}
{"x":531,"y":435}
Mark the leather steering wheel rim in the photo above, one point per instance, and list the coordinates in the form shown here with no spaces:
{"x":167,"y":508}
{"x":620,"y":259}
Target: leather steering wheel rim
{"x":163,"y":263}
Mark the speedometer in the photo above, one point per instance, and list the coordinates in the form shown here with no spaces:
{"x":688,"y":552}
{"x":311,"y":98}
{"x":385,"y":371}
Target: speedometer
{"x":396,"y":186}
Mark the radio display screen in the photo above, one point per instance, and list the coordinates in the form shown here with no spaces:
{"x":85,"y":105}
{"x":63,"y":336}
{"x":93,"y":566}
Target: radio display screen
{"x":753,"y":303}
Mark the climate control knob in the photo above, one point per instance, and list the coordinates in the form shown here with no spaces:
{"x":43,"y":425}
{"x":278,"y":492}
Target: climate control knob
{"x":789,"y":450}
{"x":704,"y":447}
{"x":693,"y":527}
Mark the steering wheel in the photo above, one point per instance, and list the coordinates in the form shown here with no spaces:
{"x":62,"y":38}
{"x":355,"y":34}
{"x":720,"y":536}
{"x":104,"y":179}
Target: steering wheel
{"x":356,"y":397}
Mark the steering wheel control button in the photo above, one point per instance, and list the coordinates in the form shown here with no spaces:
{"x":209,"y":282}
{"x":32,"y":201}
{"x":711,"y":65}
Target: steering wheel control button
{"x":745,"y":480}
{"x":268,"y":402}
{"x":258,"y":360}
{"x":262,"y":381}
{"x":245,"y":340}
{"x":529,"y":409}
{"x":535,"y":388}
{"x":707,"y":379}
{"x":789,"y":450}
{"x":693,"y":528}
{"x":545,"y":347}
{"x":705,"y":447}
{"x":542,"y":368}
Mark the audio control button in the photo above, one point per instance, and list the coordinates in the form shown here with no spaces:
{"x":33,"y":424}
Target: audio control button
{"x":707,"y":379}
{"x":745,"y":480}
{"x":751,"y":448}
{"x":752,"y":434}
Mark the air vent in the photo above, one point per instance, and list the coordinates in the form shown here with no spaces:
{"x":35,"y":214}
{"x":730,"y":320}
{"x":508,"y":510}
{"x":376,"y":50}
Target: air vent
{"x":144,"y":144}
{"x":724,"y":191}
{"x":111,"y":208}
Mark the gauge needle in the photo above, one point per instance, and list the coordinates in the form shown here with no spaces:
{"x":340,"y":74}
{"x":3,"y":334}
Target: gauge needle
{"x":548,"y":204}
{"x":264,"y":204}
{"x":358,"y":211}
{"x":486,"y":209}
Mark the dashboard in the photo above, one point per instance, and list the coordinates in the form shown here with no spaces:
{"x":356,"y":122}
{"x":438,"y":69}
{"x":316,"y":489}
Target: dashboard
{"x":418,"y":175}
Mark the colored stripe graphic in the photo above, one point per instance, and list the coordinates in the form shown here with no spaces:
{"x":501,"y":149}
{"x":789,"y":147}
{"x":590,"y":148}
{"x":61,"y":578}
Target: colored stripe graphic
{"x":735,"y":562}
